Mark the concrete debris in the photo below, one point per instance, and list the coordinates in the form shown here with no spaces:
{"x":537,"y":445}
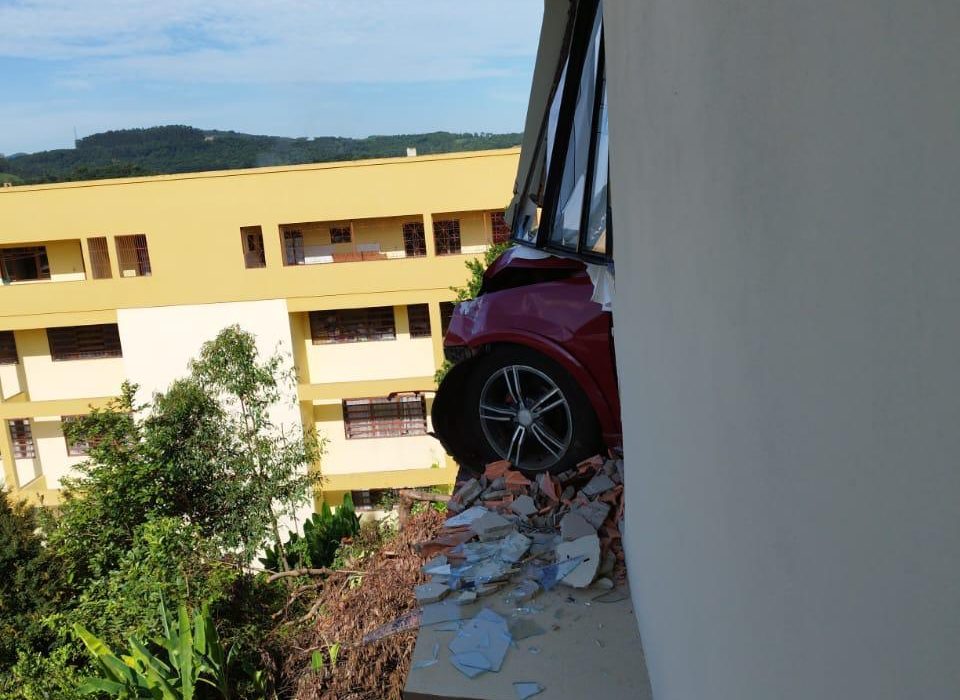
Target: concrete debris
{"x":527,"y":690}
{"x":597,"y":485}
{"x":534,"y":534}
{"x":467,"y":517}
{"x":468,"y":493}
{"x":594,"y":512}
{"x":587,"y":548}
{"x":430,"y":592}
{"x":491,"y":526}
{"x":524,"y":505}
{"x":573,"y":526}
{"x":481,"y":644}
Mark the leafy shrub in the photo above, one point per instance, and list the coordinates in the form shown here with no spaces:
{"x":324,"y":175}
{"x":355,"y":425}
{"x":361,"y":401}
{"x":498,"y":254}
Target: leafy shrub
{"x":322,"y":534}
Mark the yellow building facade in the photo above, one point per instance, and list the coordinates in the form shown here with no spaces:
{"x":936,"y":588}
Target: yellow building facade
{"x":344,"y":267}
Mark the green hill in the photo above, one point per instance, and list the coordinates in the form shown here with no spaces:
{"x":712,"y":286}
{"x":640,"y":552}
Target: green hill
{"x":181,"y":149}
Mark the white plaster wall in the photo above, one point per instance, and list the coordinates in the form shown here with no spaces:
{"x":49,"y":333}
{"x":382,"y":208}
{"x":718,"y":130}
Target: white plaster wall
{"x":382,"y":359}
{"x":72,"y":379}
{"x":9,"y":381}
{"x":785,"y":199}
{"x":159,"y":342}
{"x":52,"y":450}
{"x":27,"y":470}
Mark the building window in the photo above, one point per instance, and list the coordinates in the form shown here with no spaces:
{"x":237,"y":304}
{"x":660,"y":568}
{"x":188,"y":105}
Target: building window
{"x":75,"y":448}
{"x":499,"y":228}
{"x":446,"y":234}
{"x":446,"y":313}
{"x":133,"y":256}
{"x":24,"y":264}
{"x":84,"y":342}
{"x":414,"y":239}
{"x":400,"y":416}
{"x":419,"y":317}
{"x":8,"y":348}
{"x":253,"y":254}
{"x":352,"y":325}
{"x":340,"y":234}
{"x":99,"y":258}
{"x":372,"y":499}
{"x":293,"y":248}
{"x":22,"y":436}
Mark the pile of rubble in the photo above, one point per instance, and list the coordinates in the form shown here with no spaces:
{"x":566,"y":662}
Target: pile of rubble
{"x":521,"y":537}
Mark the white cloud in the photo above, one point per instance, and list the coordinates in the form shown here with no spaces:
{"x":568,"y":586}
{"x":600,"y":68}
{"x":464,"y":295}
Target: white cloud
{"x":256,"y":41}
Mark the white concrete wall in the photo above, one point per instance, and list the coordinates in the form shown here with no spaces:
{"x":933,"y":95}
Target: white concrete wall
{"x":9,"y":381}
{"x":52,"y":450}
{"x":785,"y":181}
{"x":159,"y":342}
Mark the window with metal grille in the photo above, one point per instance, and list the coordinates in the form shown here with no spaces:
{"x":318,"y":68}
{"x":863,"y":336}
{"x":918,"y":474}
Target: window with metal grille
{"x":400,"y":416}
{"x":419,"y":317}
{"x":293,"y":248}
{"x":22,"y":437}
{"x":340,"y":234}
{"x":133,"y":256}
{"x":371,"y":499}
{"x":499,"y":228}
{"x":251,"y":238}
{"x":84,"y":342}
{"x":24,"y":264}
{"x":99,"y":258}
{"x":8,"y":348}
{"x":75,"y":448}
{"x":446,"y":313}
{"x":352,"y":325}
{"x":446,"y":235}
{"x":414,"y":239}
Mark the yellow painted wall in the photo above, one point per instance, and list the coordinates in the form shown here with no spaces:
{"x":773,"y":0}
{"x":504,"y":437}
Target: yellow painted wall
{"x":192,"y":223}
{"x":47,"y":379}
{"x":343,"y":456}
{"x":475,"y":234}
{"x":381,"y":359}
{"x":64,"y":257}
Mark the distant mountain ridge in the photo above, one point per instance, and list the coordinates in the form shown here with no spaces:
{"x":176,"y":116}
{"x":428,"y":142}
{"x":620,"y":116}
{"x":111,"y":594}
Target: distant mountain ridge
{"x":162,"y":150}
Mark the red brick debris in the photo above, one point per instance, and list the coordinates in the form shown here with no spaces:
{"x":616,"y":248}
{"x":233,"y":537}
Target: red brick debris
{"x":593,"y":489}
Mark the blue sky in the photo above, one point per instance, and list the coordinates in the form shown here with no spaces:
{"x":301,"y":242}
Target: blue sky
{"x":282,"y":67}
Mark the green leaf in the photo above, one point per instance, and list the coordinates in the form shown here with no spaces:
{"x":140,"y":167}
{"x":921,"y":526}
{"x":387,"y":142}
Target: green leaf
{"x":92,"y":686}
{"x":334,"y":651}
{"x":186,"y":654}
{"x":316,"y":661}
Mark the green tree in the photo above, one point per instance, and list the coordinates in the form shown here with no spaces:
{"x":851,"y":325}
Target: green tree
{"x":273,"y":460}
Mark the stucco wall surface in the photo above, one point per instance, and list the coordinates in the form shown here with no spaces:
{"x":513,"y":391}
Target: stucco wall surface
{"x":784,"y":179}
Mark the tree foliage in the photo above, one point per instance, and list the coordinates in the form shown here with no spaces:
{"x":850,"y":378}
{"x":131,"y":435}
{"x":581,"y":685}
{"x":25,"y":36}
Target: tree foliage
{"x":173,"y":502}
{"x":180,"y":149}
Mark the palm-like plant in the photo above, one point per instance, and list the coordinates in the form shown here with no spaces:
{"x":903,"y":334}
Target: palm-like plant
{"x":194,"y":656}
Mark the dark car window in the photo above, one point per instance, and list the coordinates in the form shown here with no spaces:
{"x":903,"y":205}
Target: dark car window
{"x":575,"y":219}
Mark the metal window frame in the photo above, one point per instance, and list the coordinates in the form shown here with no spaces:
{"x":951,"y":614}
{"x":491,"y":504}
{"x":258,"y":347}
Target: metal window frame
{"x":349,"y":323}
{"x":24,"y":444}
{"x":67,"y":343}
{"x":445,"y":231}
{"x":405,"y":422}
{"x":424,"y":330}
{"x":8,"y":348}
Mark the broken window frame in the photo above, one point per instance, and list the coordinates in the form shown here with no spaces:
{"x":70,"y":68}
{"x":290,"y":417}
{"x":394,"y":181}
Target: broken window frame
{"x":583,"y":36}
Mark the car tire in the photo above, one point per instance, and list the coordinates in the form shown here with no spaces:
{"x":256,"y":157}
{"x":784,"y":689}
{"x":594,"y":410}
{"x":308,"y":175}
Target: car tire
{"x":493,"y":418}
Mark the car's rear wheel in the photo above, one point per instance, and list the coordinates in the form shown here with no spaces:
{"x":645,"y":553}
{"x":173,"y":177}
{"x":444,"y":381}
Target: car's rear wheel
{"x":528,"y":410}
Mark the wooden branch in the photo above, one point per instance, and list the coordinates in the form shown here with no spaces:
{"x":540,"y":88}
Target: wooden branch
{"x":311,"y":572}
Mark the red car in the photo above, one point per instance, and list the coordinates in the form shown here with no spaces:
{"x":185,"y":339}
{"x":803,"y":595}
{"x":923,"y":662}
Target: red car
{"x":533,"y":378}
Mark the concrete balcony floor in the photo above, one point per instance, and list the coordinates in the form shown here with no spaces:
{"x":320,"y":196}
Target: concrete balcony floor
{"x":589,"y":649}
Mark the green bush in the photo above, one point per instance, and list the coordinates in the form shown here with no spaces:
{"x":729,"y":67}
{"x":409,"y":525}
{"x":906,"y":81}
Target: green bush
{"x":322,"y":534}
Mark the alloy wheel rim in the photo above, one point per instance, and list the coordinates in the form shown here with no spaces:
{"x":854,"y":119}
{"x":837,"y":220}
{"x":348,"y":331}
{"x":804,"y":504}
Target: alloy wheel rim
{"x":525,"y":417}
